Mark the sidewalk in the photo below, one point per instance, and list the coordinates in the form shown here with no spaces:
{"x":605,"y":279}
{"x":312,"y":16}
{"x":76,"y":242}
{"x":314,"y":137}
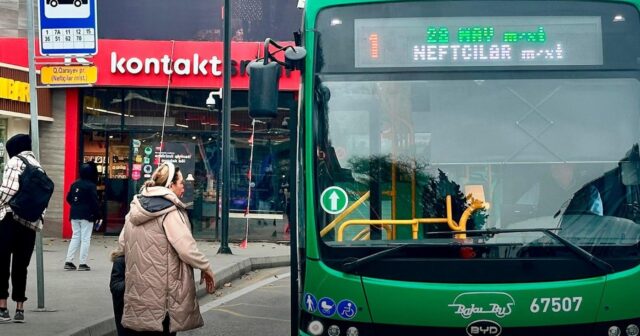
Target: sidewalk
{"x":79,"y":303}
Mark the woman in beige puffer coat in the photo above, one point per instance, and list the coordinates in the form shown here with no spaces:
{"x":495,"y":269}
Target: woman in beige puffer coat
{"x":160,"y":256}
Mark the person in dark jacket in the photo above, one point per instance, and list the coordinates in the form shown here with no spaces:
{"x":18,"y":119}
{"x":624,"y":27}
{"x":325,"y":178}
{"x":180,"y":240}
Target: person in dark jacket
{"x":116,"y":285}
{"x":17,"y":236}
{"x":83,"y":199}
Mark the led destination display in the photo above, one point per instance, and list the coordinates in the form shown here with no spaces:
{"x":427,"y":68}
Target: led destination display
{"x":478,"y":41}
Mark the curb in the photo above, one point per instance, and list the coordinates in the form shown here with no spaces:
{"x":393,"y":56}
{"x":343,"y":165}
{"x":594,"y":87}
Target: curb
{"x":107,"y":327}
{"x":237,"y":270}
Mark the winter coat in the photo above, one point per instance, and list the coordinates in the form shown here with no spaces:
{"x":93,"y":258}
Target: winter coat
{"x":83,"y":197}
{"x":160,"y":255}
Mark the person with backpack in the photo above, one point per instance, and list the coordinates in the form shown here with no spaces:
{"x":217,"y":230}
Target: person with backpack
{"x":24,"y":197}
{"x":83,"y":199}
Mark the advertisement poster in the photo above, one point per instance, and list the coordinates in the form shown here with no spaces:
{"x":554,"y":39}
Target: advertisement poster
{"x":147,"y":155}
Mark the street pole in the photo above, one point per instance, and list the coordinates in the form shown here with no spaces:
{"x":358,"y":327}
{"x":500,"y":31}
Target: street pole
{"x":226,"y":130}
{"x":219,"y":173}
{"x":35,"y":138}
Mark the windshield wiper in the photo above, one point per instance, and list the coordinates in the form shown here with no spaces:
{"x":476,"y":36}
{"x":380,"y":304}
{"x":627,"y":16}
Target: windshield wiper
{"x":575,"y":249}
{"x":582,"y":253}
{"x":353,"y":263}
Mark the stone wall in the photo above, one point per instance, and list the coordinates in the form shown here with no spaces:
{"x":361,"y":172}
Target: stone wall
{"x":13,"y":18}
{"x":52,"y":152}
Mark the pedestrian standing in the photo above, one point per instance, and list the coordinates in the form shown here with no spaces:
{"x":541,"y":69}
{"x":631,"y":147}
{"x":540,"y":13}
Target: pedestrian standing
{"x":160,"y":256}
{"x":18,"y":233}
{"x":85,"y":210}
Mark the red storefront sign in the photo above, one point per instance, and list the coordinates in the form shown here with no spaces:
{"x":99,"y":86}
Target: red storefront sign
{"x":151,"y":64}
{"x":193,"y":65}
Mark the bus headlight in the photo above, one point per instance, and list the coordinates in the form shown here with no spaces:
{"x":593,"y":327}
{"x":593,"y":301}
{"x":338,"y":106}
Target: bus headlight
{"x":315,"y":328}
{"x":633,"y":330}
{"x":353,"y":331}
{"x":614,"y":331}
{"x":334,"y":330}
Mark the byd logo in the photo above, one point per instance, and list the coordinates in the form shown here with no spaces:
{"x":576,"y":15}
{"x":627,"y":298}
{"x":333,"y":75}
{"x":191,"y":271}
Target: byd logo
{"x":484,"y":328}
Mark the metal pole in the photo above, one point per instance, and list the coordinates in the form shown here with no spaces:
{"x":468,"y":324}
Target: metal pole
{"x":35,"y":140}
{"x":219,"y":173}
{"x":226,"y":130}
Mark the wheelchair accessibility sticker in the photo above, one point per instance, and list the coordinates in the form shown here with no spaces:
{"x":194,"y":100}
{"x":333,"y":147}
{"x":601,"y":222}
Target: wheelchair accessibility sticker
{"x":347,"y":309}
{"x":310,"y":303}
{"x":327,"y":307}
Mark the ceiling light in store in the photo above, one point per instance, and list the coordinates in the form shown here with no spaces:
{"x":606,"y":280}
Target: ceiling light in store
{"x":182,"y":125}
{"x":108,"y":112}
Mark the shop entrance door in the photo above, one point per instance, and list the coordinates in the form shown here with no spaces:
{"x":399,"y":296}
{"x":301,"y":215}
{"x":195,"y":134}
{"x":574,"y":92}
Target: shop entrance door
{"x":117,"y":177}
{"x":110,"y":152}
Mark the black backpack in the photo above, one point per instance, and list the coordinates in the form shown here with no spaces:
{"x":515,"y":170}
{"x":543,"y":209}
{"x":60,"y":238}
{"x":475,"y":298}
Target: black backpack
{"x":33,"y":196}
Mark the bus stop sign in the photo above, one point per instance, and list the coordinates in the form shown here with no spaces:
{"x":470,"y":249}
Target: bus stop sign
{"x":68,"y":28}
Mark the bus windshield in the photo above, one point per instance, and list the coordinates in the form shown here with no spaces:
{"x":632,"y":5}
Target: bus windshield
{"x":457,"y":127}
{"x":543,"y":153}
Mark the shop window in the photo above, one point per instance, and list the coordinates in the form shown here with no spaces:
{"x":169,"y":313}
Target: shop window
{"x":144,"y":109}
{"x":102,"y":109}
{"x":186,"y":110}
{"x":270,"y":166}
{"x":201,"y":20}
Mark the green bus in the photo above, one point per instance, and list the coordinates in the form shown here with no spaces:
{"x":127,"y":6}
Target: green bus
{"x":468,"y":168}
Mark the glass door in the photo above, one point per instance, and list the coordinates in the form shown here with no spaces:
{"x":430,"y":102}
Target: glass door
{"x":117,"y":177}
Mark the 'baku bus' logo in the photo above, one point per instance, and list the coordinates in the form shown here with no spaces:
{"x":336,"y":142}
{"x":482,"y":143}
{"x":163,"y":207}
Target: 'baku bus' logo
{"x":487,"y":303}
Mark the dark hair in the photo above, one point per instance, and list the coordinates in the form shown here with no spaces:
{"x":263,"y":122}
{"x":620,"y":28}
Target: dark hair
{"x":89,"y":172}
{"x":18,"y":144}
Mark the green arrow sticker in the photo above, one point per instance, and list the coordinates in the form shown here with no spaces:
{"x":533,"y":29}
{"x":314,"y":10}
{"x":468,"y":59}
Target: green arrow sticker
{"x":334,"y":200}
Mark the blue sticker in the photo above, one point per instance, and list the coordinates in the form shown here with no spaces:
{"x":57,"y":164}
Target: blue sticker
{"x":327,"y":307}
{"x":310,"y":303}
{"x":347,"y":309}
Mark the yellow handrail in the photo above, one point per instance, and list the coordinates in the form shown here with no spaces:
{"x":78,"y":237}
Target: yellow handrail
{"x":414,"y":225}
{"x":389,"y":224}
{"x":343,"y":215}
{"x":394,"y":194}
{"x":361,"y":234}
{"x":475,"y":205}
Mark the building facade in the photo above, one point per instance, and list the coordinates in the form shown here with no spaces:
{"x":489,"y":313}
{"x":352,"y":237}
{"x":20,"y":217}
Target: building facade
{"x":152,"y":87}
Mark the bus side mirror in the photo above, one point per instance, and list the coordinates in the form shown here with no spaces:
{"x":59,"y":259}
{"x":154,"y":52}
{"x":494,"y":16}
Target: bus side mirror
{"x":264,"y":76}
{"x":263,"y":89}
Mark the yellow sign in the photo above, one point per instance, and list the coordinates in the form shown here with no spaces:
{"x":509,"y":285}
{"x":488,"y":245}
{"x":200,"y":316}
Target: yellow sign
{"x":68,"y":75}
{"x":14,"y":90}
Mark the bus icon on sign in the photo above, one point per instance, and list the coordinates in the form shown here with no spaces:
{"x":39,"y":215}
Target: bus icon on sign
{"x":77,"y":3}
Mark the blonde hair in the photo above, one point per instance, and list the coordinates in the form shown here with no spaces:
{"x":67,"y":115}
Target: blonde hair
{"x":160,"y":176}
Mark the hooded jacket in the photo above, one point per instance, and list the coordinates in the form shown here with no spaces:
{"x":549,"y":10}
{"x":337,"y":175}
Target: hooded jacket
{"x":82,"y":195}
{"x":160,"y":255}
